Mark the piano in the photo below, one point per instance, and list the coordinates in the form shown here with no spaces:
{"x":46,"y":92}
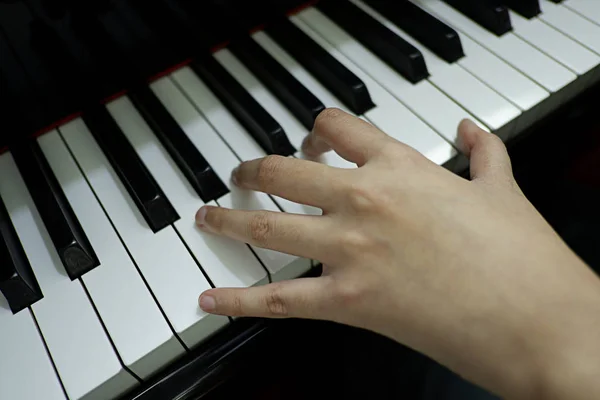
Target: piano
{"x":119,"y":119}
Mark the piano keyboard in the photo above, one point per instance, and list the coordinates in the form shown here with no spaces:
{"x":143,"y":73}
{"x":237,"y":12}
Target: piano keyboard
{"x":101,"y":264}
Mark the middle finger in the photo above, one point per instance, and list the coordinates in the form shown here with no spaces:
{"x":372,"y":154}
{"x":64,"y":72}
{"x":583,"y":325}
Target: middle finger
{"x":305,"y":236}
{"x":301,"y":181}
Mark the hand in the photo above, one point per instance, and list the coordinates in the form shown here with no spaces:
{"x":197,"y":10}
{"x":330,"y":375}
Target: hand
{"x":465,"y":271}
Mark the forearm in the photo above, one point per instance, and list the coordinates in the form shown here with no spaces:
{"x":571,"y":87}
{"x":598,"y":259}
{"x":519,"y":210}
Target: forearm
{"x":554,"y":355}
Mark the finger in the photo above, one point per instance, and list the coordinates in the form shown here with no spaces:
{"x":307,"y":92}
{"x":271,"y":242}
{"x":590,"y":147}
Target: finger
{"x":300,"y":235}
{"x":487,"y":153}
{"x":352,"y":138}
{"x":297,"y":180}
{"x":297,"y":298}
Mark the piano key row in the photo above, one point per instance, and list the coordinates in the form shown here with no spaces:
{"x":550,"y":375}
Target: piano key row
{"x":179,"y":140}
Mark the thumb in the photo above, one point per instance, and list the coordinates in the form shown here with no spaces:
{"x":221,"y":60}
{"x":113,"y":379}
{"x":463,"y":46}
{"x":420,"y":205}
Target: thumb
{"x":487,"y":153}
{"x":297,"y":298}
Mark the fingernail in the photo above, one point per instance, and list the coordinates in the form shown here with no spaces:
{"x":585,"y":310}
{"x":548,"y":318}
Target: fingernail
{"x":207,"y":303}
{"x":234,"y":175}
{"x":201,"y":217}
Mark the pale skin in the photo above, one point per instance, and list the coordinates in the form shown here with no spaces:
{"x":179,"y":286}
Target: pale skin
{"x":463,"y":270}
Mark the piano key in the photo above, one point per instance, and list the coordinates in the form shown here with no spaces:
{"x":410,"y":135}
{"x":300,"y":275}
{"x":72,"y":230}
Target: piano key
{"x":17,"y":281}
{"x":303,"y":104}
{"x":402,"y":56}
{"x":490,"y":14}
{"x":266,"y":131}
{"x":84,"y":357}
{"x":145,"y":192}
{"x":533,"y":63}
{"x":413,"y":131}
{"x":423,"y":99}
{"x":329,"y":99}
{"x":237,"y":138}
{"x":555,"y":44}
{"x":117,"y":290}
{"x":279,"y":265}
{"x":70,"y":240}
{"x":571,"y":24}
{"x":428,"y":30}
{"x":167,"y":267}
{"x":527,"y":8}
{"x":588,"y":9}
{"x":26,"y":370}
{"x":192,"y":164}
{"x":225,"y":262}
{"x":488,"y":69}
{"x":332,"y":74}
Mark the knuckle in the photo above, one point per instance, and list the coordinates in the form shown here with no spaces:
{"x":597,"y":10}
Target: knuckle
{"x":261,"y":227}
{"x":350,"y":292}
{"x":275,"y":303}
{"x":355,"y":242}
{"x":267,"y":169}
{"x":361,"y":198}
{"x":236,"y":306}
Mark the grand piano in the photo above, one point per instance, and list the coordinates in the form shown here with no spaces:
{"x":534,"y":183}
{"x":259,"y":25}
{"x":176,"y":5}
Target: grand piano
{"x":119,"y":119}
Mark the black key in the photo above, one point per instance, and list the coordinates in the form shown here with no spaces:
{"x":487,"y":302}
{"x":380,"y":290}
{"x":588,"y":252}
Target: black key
{"x":556,"y":1}
{"x":490,"y":14}
{"x":17,"y":280}
{"x":527,"y":8}
{"x":303,"y":104}
{"x":263,"y":127}
{"x":192,"y":164}
{"x":403,"y":57}
{"x":69,"y":239}
{"x":143,"y":189}
{"x":424,"y":27}
{"x":332,"y":74}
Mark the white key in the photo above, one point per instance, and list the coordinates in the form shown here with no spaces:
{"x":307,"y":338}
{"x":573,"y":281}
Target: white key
{"x":26,"y":371}
{"x":294,"y":130}
{"x":389,"y":115}
{"x":571,"y":24}
{"x":424,"y":99}
{"x":223,"y":161}
{"x":84,"y":357}
{"x":168,"y":268}
{"x":563,"y":49}
{"x":547,"y":72}
{"x":230,"y":130}
{"x":497,"y":74}
{"x":226,"y":262}
{"x":588,"y":8}
{"x":132,"y":318}
{"x":327,"y":98}
{"x":496,"y":112}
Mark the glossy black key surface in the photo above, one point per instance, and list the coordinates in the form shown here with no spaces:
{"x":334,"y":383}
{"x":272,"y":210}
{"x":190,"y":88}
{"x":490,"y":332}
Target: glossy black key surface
{"x":67,"y":235}
{"x":259,"y":123}
{"x":490,"y":14}
{"x":17,"y":280}
{"x":434,"y":34}
{"x":303,"y":104}
{"x":527,"y":8}
{"x":143,"y":189}
{"x":192,"y":164}
{"x":332,"y":74}
{"x":403,"y":57}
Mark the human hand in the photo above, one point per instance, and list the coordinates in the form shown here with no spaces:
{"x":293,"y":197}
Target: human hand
{"x":465,"y":271}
